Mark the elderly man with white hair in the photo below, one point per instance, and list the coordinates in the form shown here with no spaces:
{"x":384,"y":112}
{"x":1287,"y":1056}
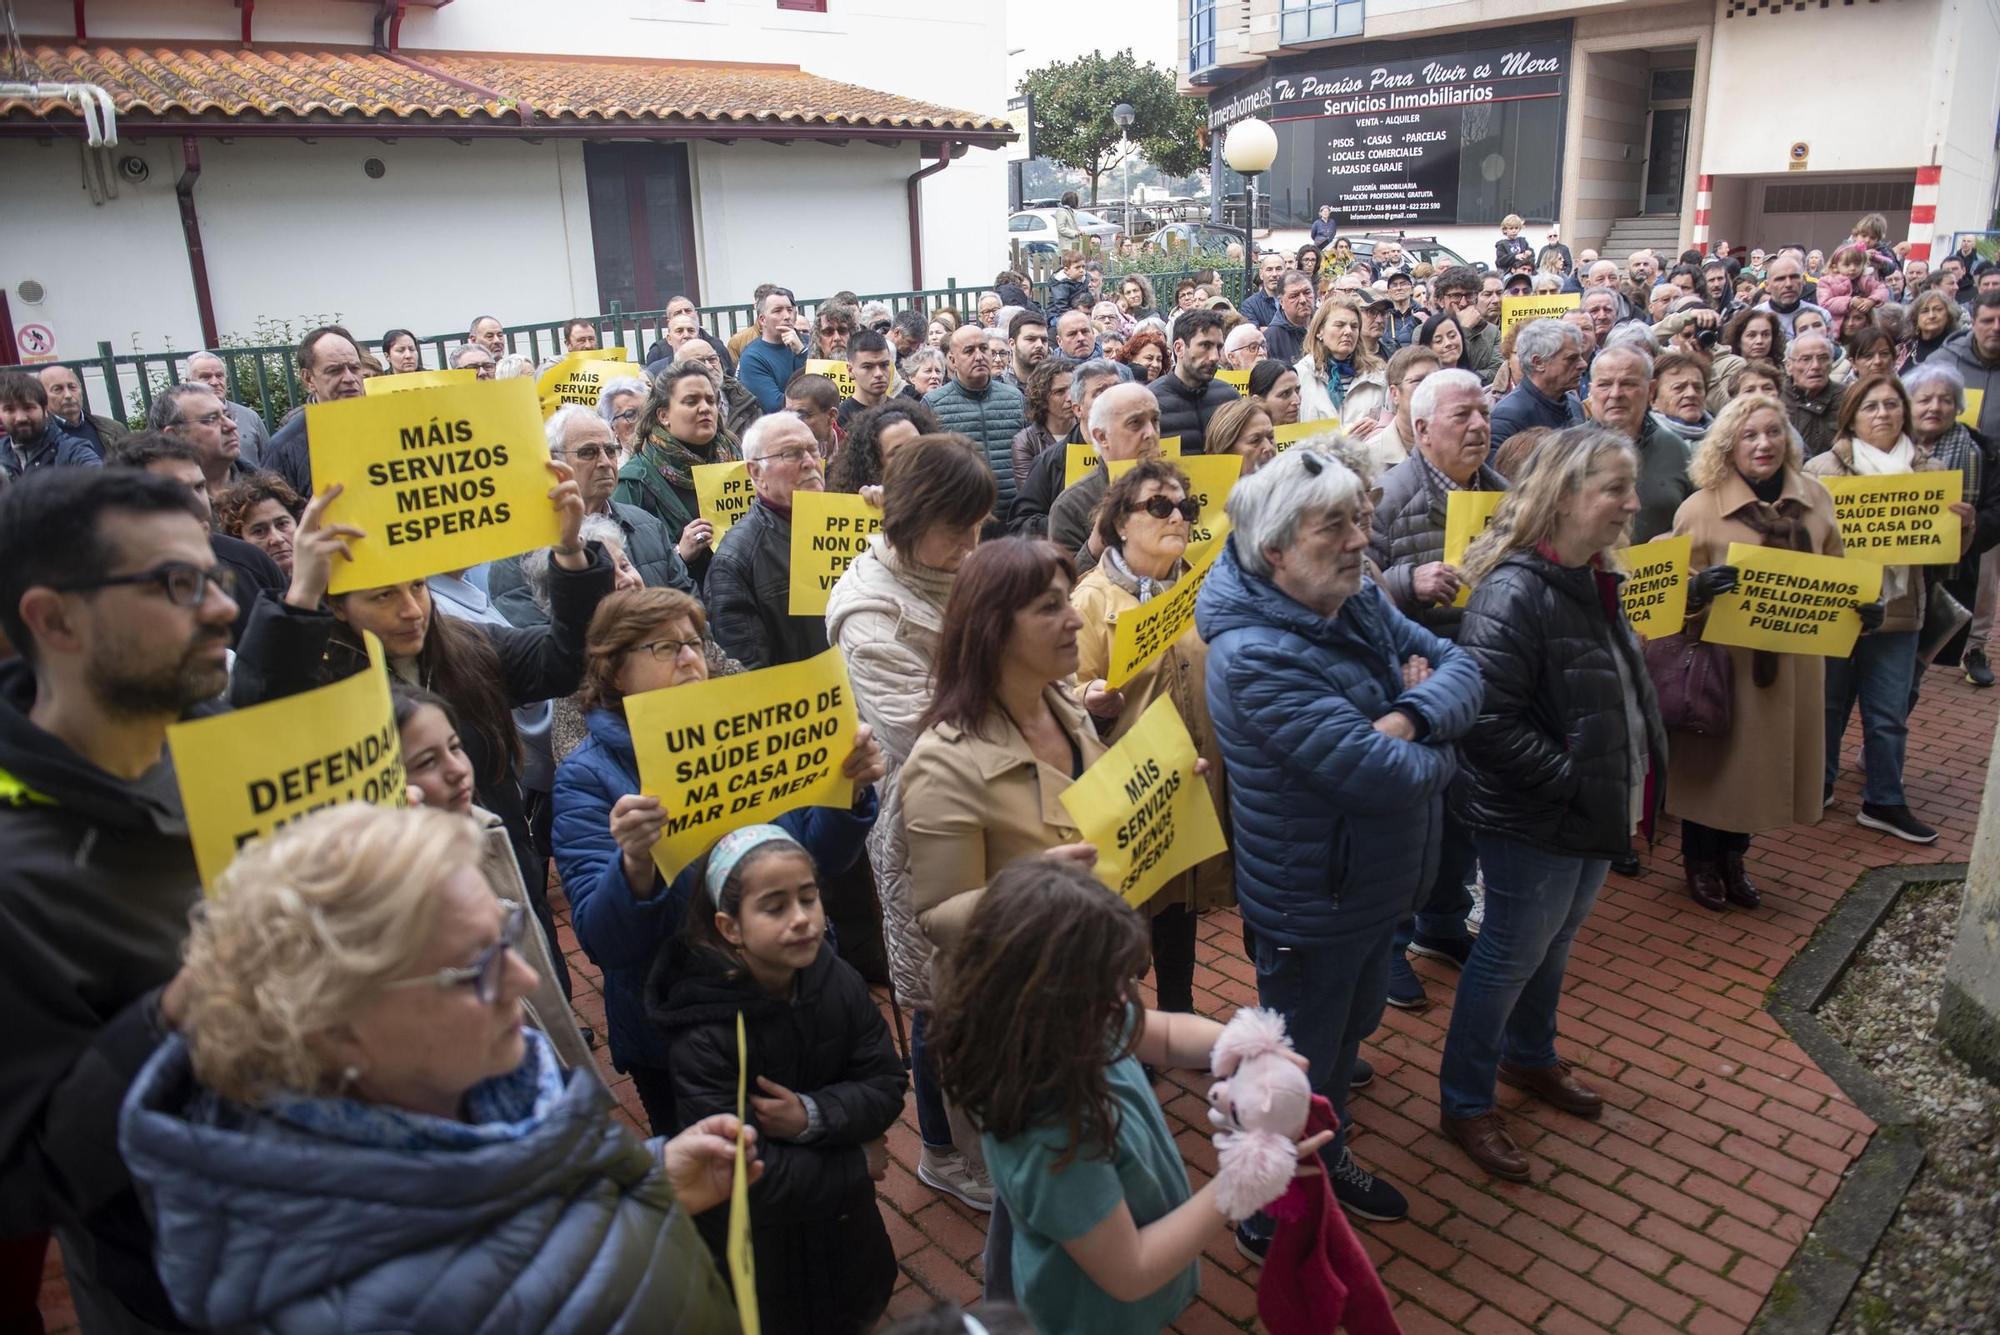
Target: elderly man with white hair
{"x":206,"y":368}
{"x":1124,"y":423}
{"x":1448,"y":415}
{"x":584,"y":440}
{"x":1336,"y":716}
{"x":1812,"y":399}
{"x":1621,"y":398}
{"x":1244,"y":347}
{"x":750,"y":580}
{"x":1550,"y":354}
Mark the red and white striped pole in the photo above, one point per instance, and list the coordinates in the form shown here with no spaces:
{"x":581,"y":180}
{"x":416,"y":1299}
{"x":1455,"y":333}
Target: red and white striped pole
{"x":1923,"y":212}
{"x":1702,"y":200}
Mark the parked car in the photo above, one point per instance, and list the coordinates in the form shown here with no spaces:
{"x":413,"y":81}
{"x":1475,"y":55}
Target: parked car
{"x":1194,"y":237}
{"x":1035,"y":229}
{"x":1416,"y":249}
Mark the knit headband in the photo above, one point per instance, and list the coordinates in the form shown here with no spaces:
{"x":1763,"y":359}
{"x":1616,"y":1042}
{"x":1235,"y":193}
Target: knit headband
{"x":731,"y":847}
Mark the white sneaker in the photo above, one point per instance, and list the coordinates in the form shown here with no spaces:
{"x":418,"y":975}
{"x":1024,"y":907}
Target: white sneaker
{"x":1475,"y":918}
{"x":953,"y":1174}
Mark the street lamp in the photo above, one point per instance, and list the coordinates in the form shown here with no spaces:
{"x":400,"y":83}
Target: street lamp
{"x":1124,"y":115}
{"x":1251,"y":148}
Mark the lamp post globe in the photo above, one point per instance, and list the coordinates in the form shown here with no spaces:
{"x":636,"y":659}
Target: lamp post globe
{"x":1250,"y":149}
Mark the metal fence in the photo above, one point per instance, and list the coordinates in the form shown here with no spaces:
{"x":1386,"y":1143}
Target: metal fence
{"x":265,"y":376}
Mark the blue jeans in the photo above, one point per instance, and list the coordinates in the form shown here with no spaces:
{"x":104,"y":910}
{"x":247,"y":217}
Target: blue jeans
{"x":1878,"y":674}
{"x":932,"y":1123}
{"x":1440,"y":914}
{"x":1506,"y":1006}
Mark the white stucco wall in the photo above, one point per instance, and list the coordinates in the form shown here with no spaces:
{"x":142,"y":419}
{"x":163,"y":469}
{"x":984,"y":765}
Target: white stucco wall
{"x":295,"y":230}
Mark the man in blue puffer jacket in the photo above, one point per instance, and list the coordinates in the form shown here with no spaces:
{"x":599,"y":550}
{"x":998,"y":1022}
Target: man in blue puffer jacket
{"x":1336,"y":715}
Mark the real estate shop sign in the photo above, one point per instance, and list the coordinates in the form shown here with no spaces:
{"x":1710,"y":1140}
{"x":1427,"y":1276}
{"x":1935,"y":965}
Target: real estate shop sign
{"x":1390,"y":134}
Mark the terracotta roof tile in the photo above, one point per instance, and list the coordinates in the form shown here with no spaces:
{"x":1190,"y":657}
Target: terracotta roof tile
{"x":318,"y":86}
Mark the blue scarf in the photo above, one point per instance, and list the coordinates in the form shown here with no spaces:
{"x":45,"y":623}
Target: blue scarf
{"x":504,"y":1108}
{"x":1338,"y":376}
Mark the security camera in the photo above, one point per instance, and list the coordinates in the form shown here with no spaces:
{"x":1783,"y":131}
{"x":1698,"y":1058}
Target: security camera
{"x":133,"y":167}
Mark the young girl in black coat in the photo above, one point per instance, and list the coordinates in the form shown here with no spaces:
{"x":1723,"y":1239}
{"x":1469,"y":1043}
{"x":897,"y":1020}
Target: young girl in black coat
{"x":825,"y":1083}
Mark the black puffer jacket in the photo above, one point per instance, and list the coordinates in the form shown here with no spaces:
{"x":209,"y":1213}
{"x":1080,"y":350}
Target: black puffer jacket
{"x":1185,"y":412}
{"x":1548,"y":761}
{"x":750,"y":594}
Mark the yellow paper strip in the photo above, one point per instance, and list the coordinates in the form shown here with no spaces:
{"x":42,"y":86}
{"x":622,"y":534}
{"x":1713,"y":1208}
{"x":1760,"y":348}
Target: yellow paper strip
{"x":1466,"y":515}
{"x":722,"y":492}
{"x":406,"y":380}
{"x":1975,"y":399}
{"x":1792,"y":602}
{"x":1292,"y":433}
{"x":738,"y":750}
{"x":742,"y":1259}
{"x":1229,"y":375}
{"x":1150,"y":815}
{"x":247,"y":772}
{"x":1656,"y":585}
{"x":829,"y":530}
{"x":1904,"y":519}
{"x":438,"y":479}
{"x":1141,"y":634}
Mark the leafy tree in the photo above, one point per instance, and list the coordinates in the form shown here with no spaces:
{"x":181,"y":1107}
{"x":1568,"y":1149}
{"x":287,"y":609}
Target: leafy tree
{"x":1073,"y":125}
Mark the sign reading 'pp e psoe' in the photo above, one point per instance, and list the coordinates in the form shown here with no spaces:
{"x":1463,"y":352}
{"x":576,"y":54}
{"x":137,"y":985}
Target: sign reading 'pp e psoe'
{"x":247,"y":772}
{"x":436,"y":479}
{"x":829,"y":530}
{"x":722,"y":493}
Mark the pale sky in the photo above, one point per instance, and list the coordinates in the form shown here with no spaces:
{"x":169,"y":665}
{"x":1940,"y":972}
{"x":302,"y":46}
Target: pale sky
{"x":1064,"y":29}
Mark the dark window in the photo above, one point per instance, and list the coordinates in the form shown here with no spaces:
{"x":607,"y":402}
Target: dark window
{"x":1201,"y":34}
{"x":1840,"y":197}
{"x":641,"y":223}
{"x":1319,"y":20}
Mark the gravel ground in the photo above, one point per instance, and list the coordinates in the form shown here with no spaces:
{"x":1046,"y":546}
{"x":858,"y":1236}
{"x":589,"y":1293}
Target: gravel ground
{"x":1937,"y":1269}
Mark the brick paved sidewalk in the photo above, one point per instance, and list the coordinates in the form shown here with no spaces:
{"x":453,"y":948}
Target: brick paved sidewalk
{"x":1676,"y":1211}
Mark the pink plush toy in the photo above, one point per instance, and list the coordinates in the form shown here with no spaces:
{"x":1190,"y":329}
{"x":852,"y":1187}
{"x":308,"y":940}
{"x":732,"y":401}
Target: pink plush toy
{"x":1258,"y":1106}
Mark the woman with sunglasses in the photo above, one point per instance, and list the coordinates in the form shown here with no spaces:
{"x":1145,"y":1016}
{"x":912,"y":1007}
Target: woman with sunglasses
{"x":353,"y":1127}
{"x":622,"y":909}
{"x":1144,"y":524}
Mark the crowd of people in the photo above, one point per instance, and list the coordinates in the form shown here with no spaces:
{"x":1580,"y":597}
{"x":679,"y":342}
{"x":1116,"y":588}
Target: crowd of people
{"x":346,"y":1087}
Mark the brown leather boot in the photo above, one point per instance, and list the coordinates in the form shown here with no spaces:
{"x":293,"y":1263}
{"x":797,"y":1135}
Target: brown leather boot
{"x":1556,"y":1086}
{"x":1485,"y":1141}
{"x":1736,"y":882}
{"x":1704,"y":882}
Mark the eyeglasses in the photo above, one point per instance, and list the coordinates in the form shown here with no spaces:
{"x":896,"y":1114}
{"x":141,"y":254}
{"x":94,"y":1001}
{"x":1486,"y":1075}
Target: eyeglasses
{"x":1159,"y":507}
{"x":796,"y":455}
{"x":882,"y":326}
{"x":185,"y":585}
{"x":666,"y":651}
{"x":590,"y":454}
{"x":206,"y":419}
{"x":629,"y":415}
{"x":485,"y":971}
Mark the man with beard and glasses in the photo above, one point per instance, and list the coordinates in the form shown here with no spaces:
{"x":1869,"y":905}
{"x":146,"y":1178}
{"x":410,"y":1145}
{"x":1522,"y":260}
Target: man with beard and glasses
{"x":116,"y":603}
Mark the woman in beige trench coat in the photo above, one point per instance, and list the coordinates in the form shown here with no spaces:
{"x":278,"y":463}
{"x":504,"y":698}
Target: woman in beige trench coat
{"x":1766,"y":772}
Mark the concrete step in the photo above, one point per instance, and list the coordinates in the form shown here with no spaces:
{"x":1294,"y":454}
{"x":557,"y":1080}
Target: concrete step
{"x":1650,"y":232}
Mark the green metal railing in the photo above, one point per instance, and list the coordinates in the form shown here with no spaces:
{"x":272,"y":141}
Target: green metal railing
{"x":266,"y":376}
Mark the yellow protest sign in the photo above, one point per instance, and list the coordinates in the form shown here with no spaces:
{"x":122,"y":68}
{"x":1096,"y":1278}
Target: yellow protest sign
{"x":742,"y":1261}
{"x":1466,"y":515}
{"x":579,"y":378}
{"x":1792,"y":602}
{"x":1210,"y":478}
{"x":1082,"y":457}
{"x":396,"y":384}
{"x":1229,"y":375}
{"x":738,"y":750}
{"x":1903,"y":519}
{"x":1290,"y":434}
{"x":438,"y":479}
{"x":250,"y":771}
{"x":1656,"y":585}
{"x":1975,"y":399}
{"x":1142,"y":804}
{"x":1548,"y":306}
{"x":838,"y":372}
{"x":829,"y":529}
{"x":1141,"y":634}
{"x":723,"y":494}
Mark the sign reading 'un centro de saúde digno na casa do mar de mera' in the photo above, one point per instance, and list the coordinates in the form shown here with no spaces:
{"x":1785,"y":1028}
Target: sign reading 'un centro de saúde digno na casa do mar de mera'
{"x":1393,"y":132}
